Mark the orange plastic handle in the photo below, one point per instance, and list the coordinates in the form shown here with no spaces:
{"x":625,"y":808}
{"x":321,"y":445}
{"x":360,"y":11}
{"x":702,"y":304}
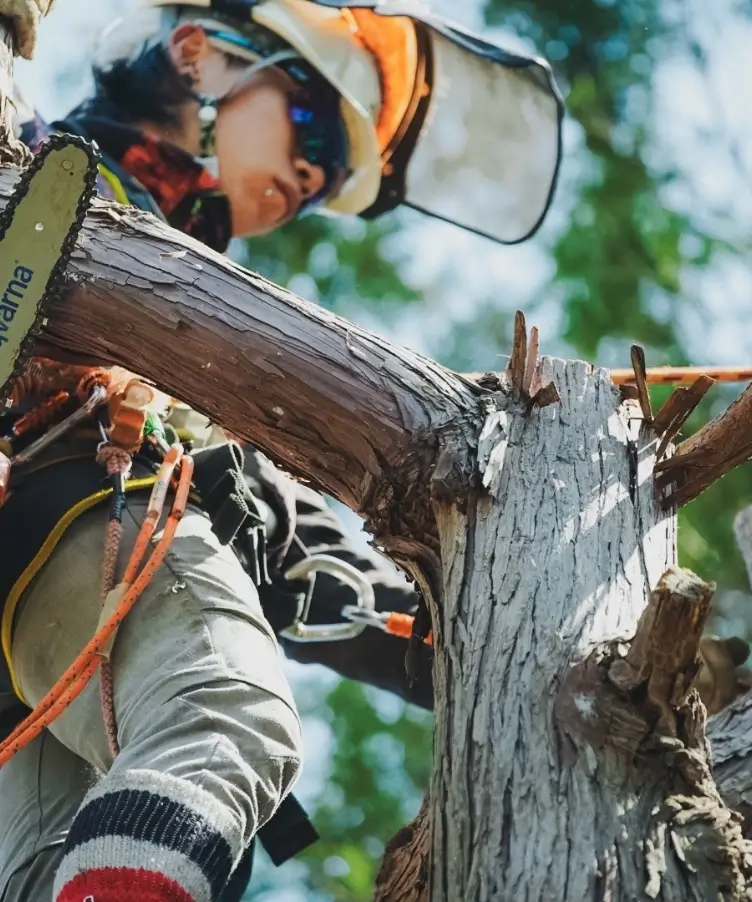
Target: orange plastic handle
{"x":402,"y":625}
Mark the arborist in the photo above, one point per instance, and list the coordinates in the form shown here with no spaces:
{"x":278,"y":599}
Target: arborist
{"x":150,"y":564}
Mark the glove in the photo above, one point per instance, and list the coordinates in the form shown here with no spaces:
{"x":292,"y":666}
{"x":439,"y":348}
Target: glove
{"x":26,"y":16}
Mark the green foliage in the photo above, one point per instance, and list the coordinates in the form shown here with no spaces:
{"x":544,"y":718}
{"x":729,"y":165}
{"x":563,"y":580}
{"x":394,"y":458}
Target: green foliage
{"x":380,"y":767}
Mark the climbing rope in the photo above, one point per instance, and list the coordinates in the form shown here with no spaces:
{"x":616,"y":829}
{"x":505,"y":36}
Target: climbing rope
{"x":128,"y":419}
{"x":121,"y":600}
{"x":118,"y":463}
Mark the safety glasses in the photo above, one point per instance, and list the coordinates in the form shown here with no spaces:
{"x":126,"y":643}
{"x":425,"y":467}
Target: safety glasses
{"x":314,"y":106}
{"x":322,"y":142}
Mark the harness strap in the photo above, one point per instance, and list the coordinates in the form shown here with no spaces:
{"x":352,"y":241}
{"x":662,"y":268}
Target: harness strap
{"x":33,"y":522}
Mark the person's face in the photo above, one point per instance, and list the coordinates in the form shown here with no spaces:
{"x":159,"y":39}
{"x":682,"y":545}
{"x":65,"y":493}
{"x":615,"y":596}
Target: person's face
{"x":261,"y":170}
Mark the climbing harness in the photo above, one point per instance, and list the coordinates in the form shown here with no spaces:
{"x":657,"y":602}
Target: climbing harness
{"x":116,"y":606}
{"x":216,"y":476}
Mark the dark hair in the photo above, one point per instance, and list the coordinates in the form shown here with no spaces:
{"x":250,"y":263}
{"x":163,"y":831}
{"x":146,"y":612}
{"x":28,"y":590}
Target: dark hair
{"x":144,"y":88}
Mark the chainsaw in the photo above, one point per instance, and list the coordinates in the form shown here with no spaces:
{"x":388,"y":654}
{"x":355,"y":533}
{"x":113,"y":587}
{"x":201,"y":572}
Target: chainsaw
{"x":38,"y":231}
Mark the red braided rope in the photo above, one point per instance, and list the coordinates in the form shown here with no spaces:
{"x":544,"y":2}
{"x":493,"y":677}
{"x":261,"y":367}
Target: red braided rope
{"x":117,"y":462}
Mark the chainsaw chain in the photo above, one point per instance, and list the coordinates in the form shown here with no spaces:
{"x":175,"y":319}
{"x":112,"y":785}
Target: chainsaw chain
{"x":56,"y":282}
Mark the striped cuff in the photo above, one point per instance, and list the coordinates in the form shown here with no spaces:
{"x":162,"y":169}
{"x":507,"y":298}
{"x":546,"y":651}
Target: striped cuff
{"x":148,"y":837}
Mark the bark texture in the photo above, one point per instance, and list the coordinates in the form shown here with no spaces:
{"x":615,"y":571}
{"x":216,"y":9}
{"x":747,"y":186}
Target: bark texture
{"x":543,"y":791}
{"x":567,"y":767}
{"x":730,"y":731}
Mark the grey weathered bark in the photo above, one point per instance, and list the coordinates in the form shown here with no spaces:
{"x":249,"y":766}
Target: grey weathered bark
{"x":569,"y":764}
{"x":540,"y":792}
{"x":731,"y":731}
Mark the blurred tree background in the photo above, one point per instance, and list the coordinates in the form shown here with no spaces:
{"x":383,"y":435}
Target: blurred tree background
{"x":647,"y":242}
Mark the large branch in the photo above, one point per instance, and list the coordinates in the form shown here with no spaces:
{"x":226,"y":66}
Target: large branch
{"x":326,"y":399}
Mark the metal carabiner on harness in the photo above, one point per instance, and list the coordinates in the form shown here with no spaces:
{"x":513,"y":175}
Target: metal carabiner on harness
{"x":301,"y":630}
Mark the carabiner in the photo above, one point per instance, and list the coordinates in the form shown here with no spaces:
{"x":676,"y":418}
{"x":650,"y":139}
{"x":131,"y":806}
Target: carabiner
{"x":301,"y":630}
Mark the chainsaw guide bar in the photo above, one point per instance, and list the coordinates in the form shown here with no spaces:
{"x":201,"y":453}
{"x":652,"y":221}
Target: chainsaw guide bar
{"x":38,"y":231}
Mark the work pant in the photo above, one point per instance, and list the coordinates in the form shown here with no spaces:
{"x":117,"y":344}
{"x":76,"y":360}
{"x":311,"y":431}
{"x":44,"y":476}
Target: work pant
{"x":209,"y":736}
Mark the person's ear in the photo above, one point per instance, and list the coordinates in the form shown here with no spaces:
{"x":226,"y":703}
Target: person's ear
{"x":187,"y":49}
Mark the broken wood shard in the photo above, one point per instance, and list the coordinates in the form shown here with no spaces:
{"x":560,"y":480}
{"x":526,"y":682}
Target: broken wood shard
{"x":643,"y":395}
{"x":518,"y":361}
{"x":677,"y":410}
{"x":532,"y":362}
{"x":546,"y":396}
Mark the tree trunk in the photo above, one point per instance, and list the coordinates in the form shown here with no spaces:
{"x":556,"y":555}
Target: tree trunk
{"x":570,"y":763}
{"x":568,"y":766}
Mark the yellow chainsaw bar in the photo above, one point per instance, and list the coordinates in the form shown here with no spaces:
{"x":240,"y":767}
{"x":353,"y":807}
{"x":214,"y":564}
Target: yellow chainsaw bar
{"x":38,"y":231}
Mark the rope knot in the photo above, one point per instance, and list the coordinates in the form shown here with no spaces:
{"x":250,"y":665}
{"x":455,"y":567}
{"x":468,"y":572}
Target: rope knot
{"x":115,"y":460}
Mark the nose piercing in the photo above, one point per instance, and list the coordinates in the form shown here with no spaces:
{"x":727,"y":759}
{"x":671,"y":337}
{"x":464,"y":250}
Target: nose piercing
{"x":269,"y":192}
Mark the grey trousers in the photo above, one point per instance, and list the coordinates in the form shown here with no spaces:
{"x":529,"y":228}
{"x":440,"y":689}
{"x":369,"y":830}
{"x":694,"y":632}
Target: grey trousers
{"x":200,"y":697}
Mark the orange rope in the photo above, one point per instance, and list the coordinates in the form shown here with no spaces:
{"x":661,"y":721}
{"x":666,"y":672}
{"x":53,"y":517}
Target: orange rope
{"x":675,"y":375}
{"x":72,"y":683}
{"x":40,"y":415}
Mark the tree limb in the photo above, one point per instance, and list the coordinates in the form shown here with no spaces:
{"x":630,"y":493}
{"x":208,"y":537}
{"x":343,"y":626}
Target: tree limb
{"x":643,"y":395}
{"x":326,"y":399}
{"x":721,"y":445}
{"x":677,"y":410}
{"x":404,"y":872}
{"x":663,"y":655}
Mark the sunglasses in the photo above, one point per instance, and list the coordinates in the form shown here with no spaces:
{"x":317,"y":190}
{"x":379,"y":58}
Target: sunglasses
{"x":322,"y":142}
